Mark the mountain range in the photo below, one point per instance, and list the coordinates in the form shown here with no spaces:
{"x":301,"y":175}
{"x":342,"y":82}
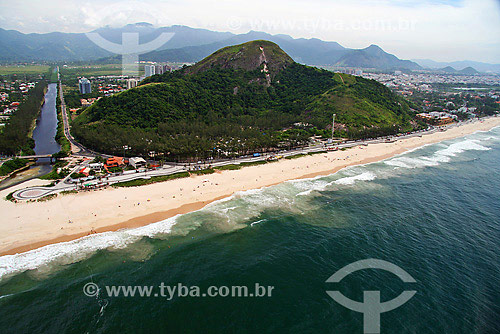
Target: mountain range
{"x":459,"y":65}
{"x":191,"y":45}
{"x":466,"y":71}
{"x":188,"y":45}
{"x":307,"y":51}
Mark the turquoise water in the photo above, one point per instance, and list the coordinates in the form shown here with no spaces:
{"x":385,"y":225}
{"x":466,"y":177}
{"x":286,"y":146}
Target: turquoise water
{"x":435,"y":212}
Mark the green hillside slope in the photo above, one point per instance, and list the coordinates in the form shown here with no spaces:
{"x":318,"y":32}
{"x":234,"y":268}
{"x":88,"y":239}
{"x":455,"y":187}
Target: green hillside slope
{"x":242,"y":99}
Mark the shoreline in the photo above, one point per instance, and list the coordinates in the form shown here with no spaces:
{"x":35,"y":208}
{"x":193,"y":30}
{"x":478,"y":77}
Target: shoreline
{"x":34,"y":225}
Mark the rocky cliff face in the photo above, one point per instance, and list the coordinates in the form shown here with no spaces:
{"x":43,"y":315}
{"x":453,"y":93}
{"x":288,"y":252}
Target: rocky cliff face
{"x":264,"y":55}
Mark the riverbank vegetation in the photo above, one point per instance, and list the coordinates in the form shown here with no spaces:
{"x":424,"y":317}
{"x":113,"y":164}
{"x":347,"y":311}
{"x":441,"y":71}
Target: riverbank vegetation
{"x":60,"y":136}
{"x":12,"y":165}
{"x":54,"y":77}
{"x":58,"y":171}
{"x":15,"y":137}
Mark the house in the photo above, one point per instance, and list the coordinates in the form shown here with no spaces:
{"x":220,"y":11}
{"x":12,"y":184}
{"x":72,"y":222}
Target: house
{"x":96,"y":166}
{"x":114,"y":162}
{"x":85,"y":171}
{"x":85,"y":103}
{"x":437,"y":118}
{"x":88,"y":102}
{"x":137,"y":162}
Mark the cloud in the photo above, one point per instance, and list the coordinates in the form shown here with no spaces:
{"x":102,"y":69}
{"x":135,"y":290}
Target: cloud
{"x":438,"y":29}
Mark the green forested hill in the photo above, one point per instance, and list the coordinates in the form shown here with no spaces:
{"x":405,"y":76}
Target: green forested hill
{"x":228,"y":104}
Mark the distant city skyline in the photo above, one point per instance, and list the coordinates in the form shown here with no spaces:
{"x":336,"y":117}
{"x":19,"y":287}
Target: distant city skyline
{"x":429,"y":29}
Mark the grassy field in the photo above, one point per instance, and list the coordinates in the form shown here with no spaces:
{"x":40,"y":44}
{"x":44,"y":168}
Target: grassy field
{"x":29,"y":69}
{"x":154,"y":179}
{"x":92,"y":70}
{"x":53,"y":75}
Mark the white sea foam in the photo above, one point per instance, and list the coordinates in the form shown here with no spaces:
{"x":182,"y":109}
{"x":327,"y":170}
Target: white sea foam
{"x":253,"y":203}
{"x":5,"y":296}
{"x":489,"y":138}
{"x":350,"y":174}
{"x":466,"y":145}
{"x":305,"y":193}
{"x":440,"y":156}
{"x":226,"y":210}
{"x":226,"y":216}
{"x":151,"y":230}
{"x":407,"y":162}
{"x":317,"y":185}
{"x":65,"y":253}
{"x":257,"y":222}
{"x":366,"y":176}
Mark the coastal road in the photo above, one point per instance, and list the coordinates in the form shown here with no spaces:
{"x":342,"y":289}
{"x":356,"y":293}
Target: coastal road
{"x":83,"y":151}
{"x":66,"y":185}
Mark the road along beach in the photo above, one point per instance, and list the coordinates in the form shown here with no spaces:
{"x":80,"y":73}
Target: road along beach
{"x":29,"y":225}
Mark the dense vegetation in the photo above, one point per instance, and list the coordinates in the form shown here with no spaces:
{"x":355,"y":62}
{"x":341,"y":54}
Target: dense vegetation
{"x":15,"y":136}
{"x":12,"y":165}
{"x":154,"y":179}
{"x":364,"y":109}
{"x":53,"y":75}
{"x":58,"y":171}
{"x":218,"y":109}
{"x":60,"y":136}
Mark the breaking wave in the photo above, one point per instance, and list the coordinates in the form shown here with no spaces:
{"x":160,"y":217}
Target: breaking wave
{"x":244,"y":209}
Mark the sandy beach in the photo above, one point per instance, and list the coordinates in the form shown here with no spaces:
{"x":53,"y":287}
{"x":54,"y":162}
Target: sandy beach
{"x":25,"y":226}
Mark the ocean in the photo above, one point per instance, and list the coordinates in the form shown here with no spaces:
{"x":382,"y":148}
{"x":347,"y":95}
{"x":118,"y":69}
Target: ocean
{"x":434,"y":212}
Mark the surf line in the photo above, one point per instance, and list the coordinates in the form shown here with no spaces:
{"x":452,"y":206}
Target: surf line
{"x":257,"y":222}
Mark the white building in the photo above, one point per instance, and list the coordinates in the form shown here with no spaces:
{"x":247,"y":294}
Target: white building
{"x":137,"y":162}
{"x":84,"y":85}
{"x":149,"y":70}
{"x":159,"y":69}
{"x":131,"y":83}
{"x":167,"y":68}
{"x":96,"y":166}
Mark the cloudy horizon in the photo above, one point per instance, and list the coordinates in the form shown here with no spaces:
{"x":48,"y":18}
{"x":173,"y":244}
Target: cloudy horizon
{"x":430,"y":29}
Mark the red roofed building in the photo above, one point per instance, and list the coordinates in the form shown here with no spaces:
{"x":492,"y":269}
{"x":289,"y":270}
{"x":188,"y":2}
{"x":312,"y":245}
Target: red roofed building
{"x":85,"y":171}
{"x":114,"y":162}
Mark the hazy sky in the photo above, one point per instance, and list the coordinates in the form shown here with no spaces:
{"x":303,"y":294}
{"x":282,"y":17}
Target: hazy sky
{"x":436,"y":29}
